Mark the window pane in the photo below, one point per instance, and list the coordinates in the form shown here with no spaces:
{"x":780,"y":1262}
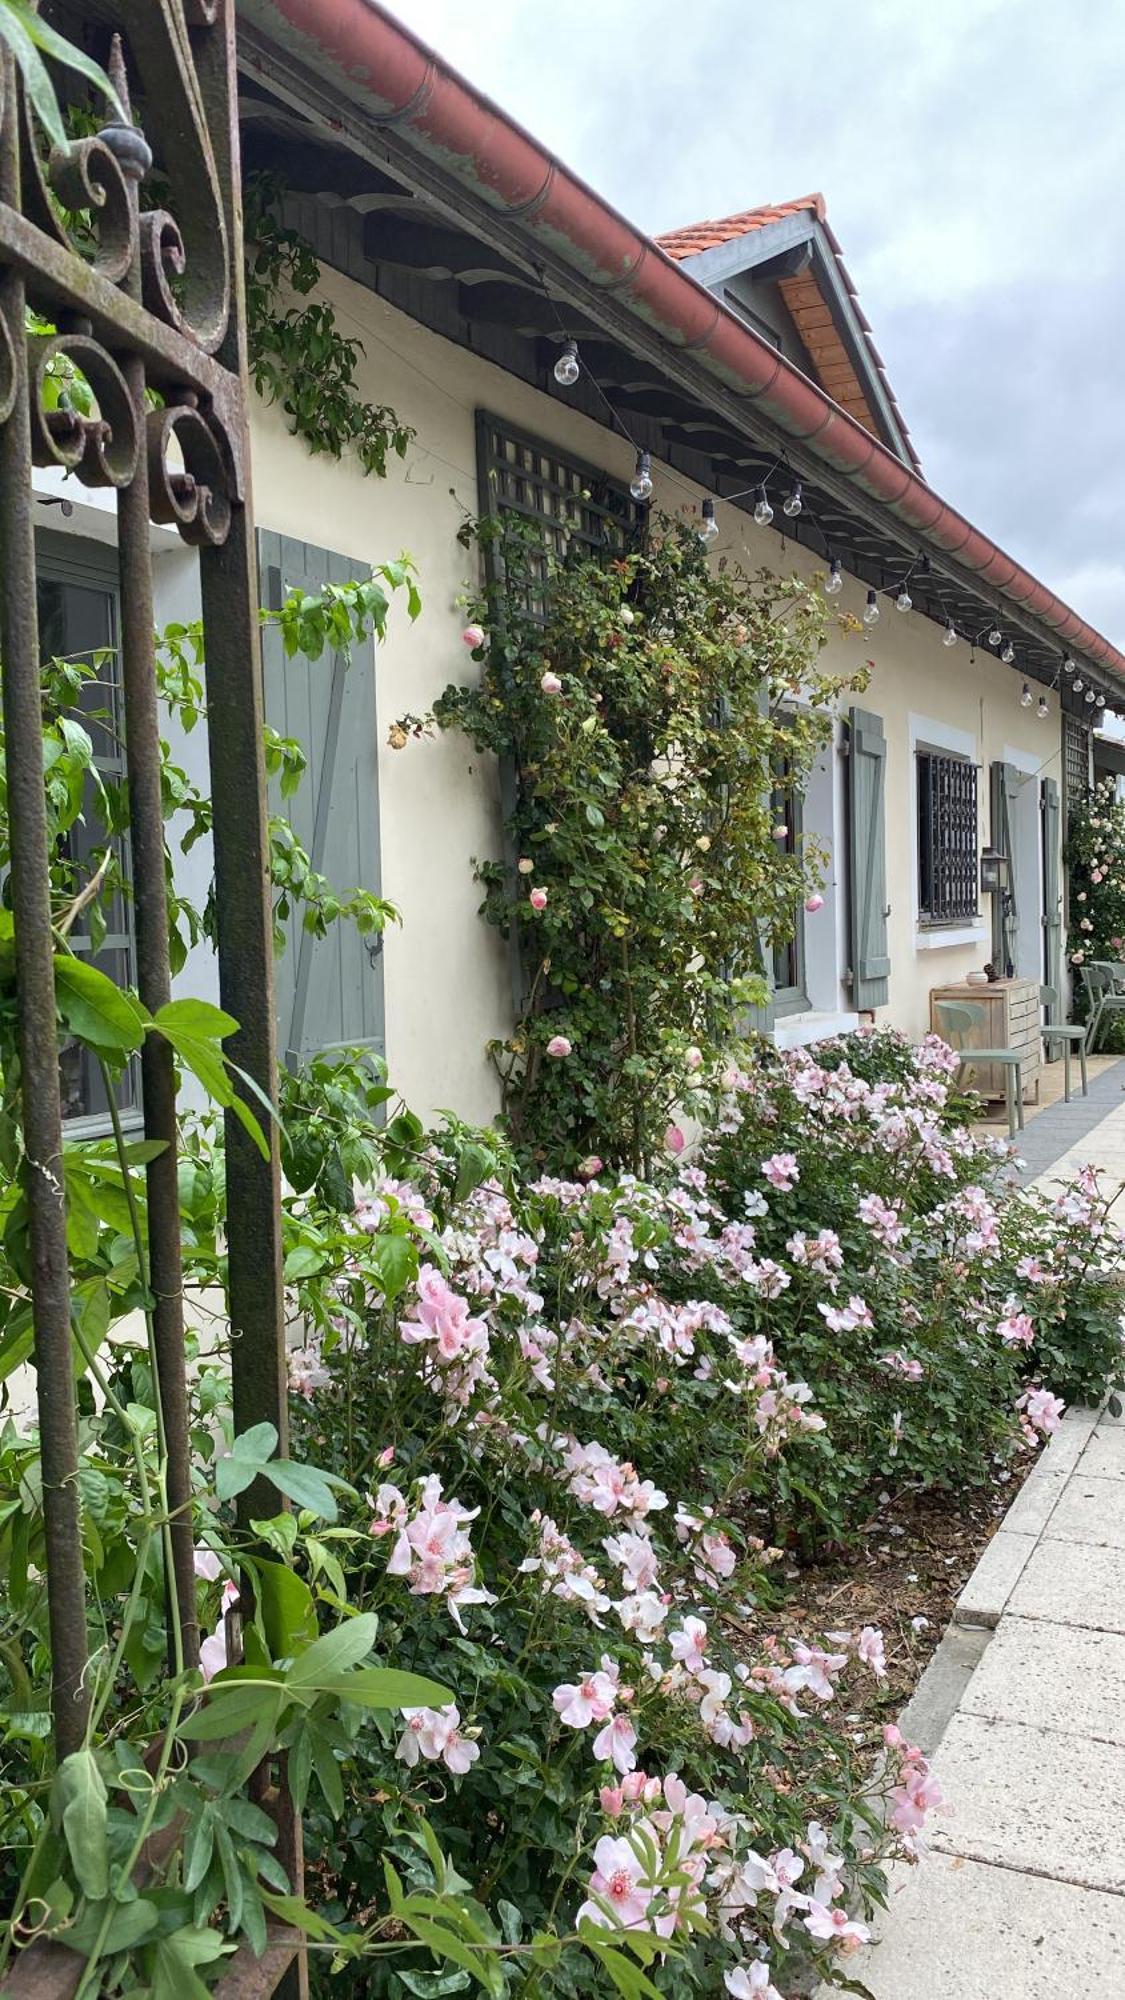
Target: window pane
{"x":78,"y":621}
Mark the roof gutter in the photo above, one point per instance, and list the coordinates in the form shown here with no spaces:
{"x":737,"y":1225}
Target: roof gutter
{"x":372,"y":59}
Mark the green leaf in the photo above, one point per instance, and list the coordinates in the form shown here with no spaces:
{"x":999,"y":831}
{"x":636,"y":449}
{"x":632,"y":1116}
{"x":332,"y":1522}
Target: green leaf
{"x":333,"y":1654}
{"x":231,"y":1707}
{"x":257,"y":1444}
{"x":129,"y":1923}
{"x":197,"y":1019}
{"x":94,"y":1009}
{"x":176,"y":1958}
{"x":388,"y":1687}
{"x":304,"y":1485}
{"x":286,"y":1605}
{"x":199,"y":1848}
{"x":79,"y":1804}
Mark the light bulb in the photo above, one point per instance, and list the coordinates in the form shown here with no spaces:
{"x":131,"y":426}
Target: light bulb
{"x":640,"y":485}
{"x":708,"y":528}
{"x":994,"y":635}
{"x":904,"y":601}
{"x":871,"y":609}
{"x":1101,"y":701}
{"x":834,"y":581}
{"x":1043,"y":708}
{"x":793,"y":503}
{"x":949,"y":636}
{"x":1068,"y":665}
{"x":1078,"y":685}
{"x":763,"y":512}
{"x":1025,"y":696}
{"x":1089,"y":695}
{"x":1007,"y":652}
{"x":568,"y":367}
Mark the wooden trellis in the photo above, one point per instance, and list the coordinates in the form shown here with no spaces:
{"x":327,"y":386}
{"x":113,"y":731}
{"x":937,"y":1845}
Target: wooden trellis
{"x":152,"y":299}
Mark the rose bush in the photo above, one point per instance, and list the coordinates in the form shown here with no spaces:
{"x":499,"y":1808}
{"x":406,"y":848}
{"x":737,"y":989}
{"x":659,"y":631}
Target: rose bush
{"x":1095,"y":852}
{"x":586,"y":1418}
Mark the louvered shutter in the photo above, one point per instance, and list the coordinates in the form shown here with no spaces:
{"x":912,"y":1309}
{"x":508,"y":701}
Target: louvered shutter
{"x":329,"y":990}
{"x":1005,"y":909}
{"x":1052,"y":895}
{"x":867,"y":860}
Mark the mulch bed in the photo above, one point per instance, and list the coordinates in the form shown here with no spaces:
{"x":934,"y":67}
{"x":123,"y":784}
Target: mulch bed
{"x":918,"y":1552}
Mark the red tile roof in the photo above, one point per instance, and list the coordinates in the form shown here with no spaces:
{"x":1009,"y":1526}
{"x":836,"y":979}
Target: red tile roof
{"x":827,"y":352}
{"x":699,"y":236}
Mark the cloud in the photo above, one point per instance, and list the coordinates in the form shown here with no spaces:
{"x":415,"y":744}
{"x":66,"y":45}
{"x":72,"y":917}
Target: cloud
{"x":972,"y":156}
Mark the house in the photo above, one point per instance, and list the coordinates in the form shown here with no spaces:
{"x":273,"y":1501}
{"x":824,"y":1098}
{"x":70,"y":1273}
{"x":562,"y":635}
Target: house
{"x":465,"y":257}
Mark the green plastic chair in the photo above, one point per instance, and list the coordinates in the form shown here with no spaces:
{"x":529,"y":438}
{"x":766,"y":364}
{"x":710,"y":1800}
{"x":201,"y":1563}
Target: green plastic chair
{"x":1103,"y":997}
{"x":958,"y":1018}
{"x":1072,"y":1036}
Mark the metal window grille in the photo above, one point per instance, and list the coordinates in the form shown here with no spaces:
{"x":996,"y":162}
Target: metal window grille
{"x":1076,"y":760}
{"x":947,"y":838}
{"x":576,"y":506}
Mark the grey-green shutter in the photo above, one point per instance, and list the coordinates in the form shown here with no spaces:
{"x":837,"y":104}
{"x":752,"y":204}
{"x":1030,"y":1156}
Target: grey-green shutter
{"x":760,"y":1020}
{"x":329,"y":990}
{"x":1004,"y":779}
{"x":867,"y":860}
{"x":1052,"y":893}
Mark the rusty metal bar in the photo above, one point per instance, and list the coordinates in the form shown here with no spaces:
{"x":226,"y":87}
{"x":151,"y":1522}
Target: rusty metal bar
{"x":35,"y":985}
{"x":244,"y":902}
{"x":154,"y":980}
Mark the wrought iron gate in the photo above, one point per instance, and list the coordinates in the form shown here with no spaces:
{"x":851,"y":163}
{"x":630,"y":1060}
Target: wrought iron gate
{"x":152,"y":301}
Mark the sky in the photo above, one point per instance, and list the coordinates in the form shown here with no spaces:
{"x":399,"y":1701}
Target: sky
{"x":972,"y":155}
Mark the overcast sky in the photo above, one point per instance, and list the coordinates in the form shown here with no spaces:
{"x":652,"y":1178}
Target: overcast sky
{"x":972,"y":154}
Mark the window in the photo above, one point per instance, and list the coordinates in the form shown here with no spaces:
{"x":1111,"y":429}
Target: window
{"x":787,"y":967}
{"x":573,"y":503}
{"x":78,"y":616}
{"x":947,"y":838}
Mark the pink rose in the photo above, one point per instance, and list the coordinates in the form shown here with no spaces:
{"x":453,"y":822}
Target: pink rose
{"x":473,"y":636}
{"x":781,"y":831}
{"x":558,"y":1046}
{"x":525,"y":865}
{"x":693,"y":1059}
{"x":674,"y":1141}
{"x":590,"y":1168}
{"x":551,"y":684}
{"x":611,"y":1799}
{"x":814,"y":903}
{"x":538,"y":899}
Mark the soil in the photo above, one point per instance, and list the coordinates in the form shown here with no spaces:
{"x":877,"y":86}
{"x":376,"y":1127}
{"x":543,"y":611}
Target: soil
{"x":920,"y":1551}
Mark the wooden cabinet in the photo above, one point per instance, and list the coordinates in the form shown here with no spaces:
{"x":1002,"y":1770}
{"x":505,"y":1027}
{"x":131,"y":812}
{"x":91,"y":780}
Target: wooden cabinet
{"x":1008,"y":1017}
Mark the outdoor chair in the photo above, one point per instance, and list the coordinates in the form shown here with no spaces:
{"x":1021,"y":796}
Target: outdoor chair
{"x":1072,"y":1036}
{"x":1103,"y":996}
{"x":958,"y":1018}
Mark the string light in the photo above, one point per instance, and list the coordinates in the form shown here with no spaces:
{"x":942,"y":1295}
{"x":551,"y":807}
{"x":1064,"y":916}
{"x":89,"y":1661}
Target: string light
{"x":904,"y":601}
{"x":1007,"y":652}
{"x":763,"y":512}
{"x":1025,"y":696}
{"x":568,"y":367}
{"x":949,"y":636}
{"x":994,"y":635}
{"x":871,"y":609}
{"x":1043,"y":709}
{"x":1078,"y":685}
{"x":834,"y":582}
{"x":708,"y":527}
{"x":1101,"y":701}
{"x":640,"y":485}
{"x":793,"y":503}
{"x":1068,"y":665}
{"x":1089,"y":695}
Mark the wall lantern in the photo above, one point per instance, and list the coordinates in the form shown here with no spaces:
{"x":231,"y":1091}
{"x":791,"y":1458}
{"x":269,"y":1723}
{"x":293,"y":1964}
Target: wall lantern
{"x":994,"y":872}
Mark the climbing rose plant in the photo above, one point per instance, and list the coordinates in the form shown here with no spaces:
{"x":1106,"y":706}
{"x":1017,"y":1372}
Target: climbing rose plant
{"x":1096,"y":862}
{"x":650,"y":711}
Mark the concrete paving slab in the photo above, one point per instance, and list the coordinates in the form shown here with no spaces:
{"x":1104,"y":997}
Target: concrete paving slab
{"x":1031,"y":1800}
{"x":959,"y":1931}
{"x":1037,"y":1499}
{"x":1073,"y":1583}
{"x":1104,"y":1456}
{"x":1088,"y":1510}
{"x":995,"y":1577}
{"x":1052,"y":1677}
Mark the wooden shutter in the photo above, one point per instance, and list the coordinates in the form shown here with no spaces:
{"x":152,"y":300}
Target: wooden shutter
{"x":867,"y":860}
{"x":1005,"y":909}
{"x":329,"y":990}
{"x":1052,"y":895}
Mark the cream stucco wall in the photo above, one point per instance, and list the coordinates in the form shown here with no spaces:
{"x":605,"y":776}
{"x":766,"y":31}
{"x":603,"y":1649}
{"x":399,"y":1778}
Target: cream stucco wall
{"x":447,"y":983}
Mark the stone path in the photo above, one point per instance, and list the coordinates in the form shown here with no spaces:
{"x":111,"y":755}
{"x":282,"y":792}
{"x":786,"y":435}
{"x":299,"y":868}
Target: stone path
{"x":1022,"y":1895}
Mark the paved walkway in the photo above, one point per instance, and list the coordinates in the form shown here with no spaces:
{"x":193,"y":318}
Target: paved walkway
{"x":1022,"y":1896}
